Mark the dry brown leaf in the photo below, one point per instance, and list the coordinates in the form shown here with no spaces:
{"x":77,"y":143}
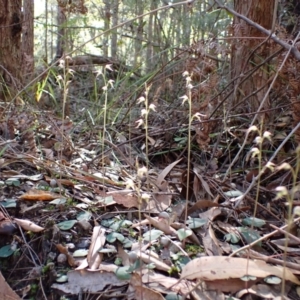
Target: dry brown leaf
{"x":193,"y":238}
{"x":161,"y":225}
{"x":231,"y":285}
{"x":126,"y":200}
{"x":6,"y":293}
{"x":222,"y":267}
{"x":166,"y":171}
{"x":168,"y":283}
{"x":123,"y":255}
{"x":38,"y":195}
{"x":64,"y":250}
{"x":202,"y":204}
{"x":94,"y":258}
{"x":148,"y":258}
{"x":28,"y":225}
{"x":142,"y":292}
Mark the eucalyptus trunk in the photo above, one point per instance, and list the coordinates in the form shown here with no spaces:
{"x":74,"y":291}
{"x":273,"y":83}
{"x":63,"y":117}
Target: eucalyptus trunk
{"x":114,"y":35}
{"x":10,"y":48}
{"x":28,"y":39}
{"x":250,"y":49}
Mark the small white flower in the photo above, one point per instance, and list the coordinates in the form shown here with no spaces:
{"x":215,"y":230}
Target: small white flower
{"x":252,"y":128}
{"x":140,"y":100}
{"x":267,"y":135}
{"x":139,"y":123}
{"x":255,"y":151}
{"x":184,"y":98}
{"x":111,"y":82}
{"x":109,"y":67}
{"x":185,"y":74}
{"x":152,"y":107}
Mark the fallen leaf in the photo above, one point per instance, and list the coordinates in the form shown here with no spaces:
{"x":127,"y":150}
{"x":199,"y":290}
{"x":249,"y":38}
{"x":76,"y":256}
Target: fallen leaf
{"x":6,"y":293}
{"x":28,"y":225}
{"x":221,"y":267}
{"x":142,"y":292}
{"x":39,"y":195}
{"x":166,"y":171}
{"x":64,"y":250}
{"x":94,"y":258}
{"x":90,"y":282}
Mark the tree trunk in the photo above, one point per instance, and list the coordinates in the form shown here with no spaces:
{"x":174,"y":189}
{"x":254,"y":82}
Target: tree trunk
{"x":249,"y":50}
{"x":10,"y":48}
{"x":27,"y":39}
{"x":61,"y":34}
{"x":114,"y":34}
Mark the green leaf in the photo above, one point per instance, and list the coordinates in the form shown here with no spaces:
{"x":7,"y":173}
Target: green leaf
{"x":196,"y":222}
{"x":248,"y":278}
{"x":13,"y":181}
{"x":112,"y":237}
{"x":62,"y":278}
{"x":256,"y":222}
{"x":233,"y":194}
{"x":9,"y":203}
{"x":84,"y":215}
{"x":127,"y":243}
{"x":107,"y":223}
{"x":150,"y":266}
{"x":6,"y":251}
{"x":106,"y":200}
{"x":173,"y":296}
{"x":122,"y":273}
{"x":184,"y":233}
{"x":249,"y":235}
{"x":232,"y":238}
{"x":119,"y":224}
{"x":66,"y":225}
{"x":272,"y":280}
{"x":58,"y":201}
{"x":80,"y":253}
{"x":152,"y":235}
{"x":107,"y":250}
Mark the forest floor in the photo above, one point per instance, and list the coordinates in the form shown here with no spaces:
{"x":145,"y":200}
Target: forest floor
{"x":155,"y":207}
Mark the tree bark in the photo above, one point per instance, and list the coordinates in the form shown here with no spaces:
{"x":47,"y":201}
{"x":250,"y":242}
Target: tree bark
{"x":28,"y":39}
{"x":10,"y":48}
{"x":250,"y":48}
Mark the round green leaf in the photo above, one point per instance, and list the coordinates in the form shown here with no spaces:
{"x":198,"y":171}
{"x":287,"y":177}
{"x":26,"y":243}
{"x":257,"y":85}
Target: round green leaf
{"x":249,"y":235}
{"x":13,"y":181}
{"x":184,"y":233}
{"x":127,"y":243}
{"x":152,"y":235}
{"x":112,"y":237}
{"x":196,"y":222}
{"x":9,"y":203}
{"x":107,"y":250}
{"x":256,"y":222}
{"x":232,"y":238}
{"x":6,"y":251}
{"x":122,"y":273}
{"x":248,"y":278}
{"x":84,"y":215}
{"x":272,"y":280}
{"x":233,"y":194}
{"x":119,"y":224}
{"x":58,"y":201}
{"x":62,"y":278}
{"x":66,"y":225}
{"x":80,"y":253}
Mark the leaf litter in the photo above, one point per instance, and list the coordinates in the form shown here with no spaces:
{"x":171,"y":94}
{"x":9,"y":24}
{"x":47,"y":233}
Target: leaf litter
{"x":128,"y":226}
